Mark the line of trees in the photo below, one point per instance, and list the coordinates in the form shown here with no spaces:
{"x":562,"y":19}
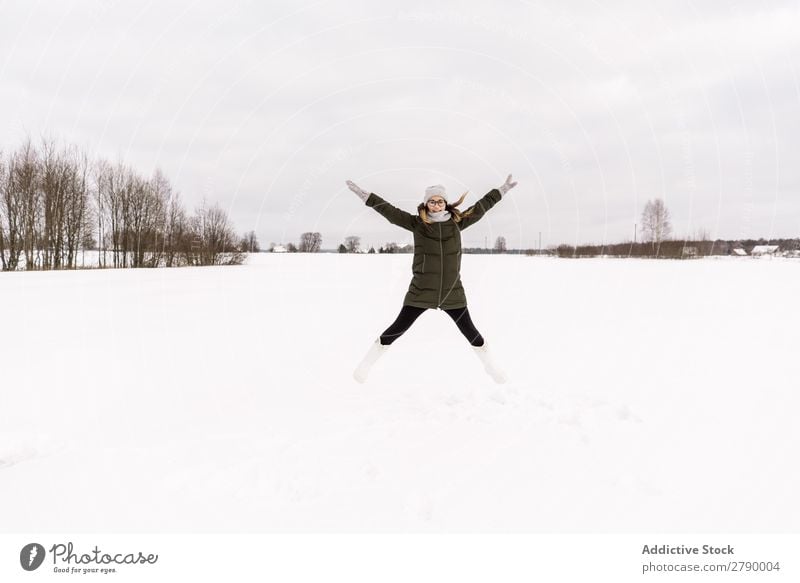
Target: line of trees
{"x":656,"y":241}
{"x":55,"y":203}
{"x":666,"y":249}
{"x":309,"y":243}
{"x":670,"y":249}
{"x":352,"y":244}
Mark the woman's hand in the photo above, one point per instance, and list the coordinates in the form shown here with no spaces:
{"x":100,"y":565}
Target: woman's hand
{"x":362,"y":194}
{"x":508,"y":185}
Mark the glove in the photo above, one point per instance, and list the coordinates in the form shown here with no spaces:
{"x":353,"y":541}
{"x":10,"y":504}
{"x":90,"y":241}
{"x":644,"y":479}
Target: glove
{"x":508,"y":185}
{"x":362,"y":194}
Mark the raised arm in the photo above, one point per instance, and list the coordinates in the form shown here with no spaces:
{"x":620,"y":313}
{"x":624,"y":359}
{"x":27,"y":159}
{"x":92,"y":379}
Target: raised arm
{"x":489,"y":199}
{"x":392,"y":214}
{"x":479,"y":209}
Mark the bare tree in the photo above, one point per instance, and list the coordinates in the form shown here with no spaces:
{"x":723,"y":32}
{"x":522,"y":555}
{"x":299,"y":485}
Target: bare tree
{"x":500,"y":245}
{"x":112,"y":186}
{"x":77,"y":210}
{"x":217,"y":240}
{"x":147,"y":218}
{"x":249,"y":243}
{"x":132,"y":215}
{"x":176,"y":242}
{"x":55,"y":178}
{"x":18,"y":204}
{"x":155,"y":231}
{"x":656,"y":226}
{"x":310,"y":242}
{"x":100,"y":173}
{"x":352,"y":243}
{"x":3,"y":193}
{"x":24,"y":196}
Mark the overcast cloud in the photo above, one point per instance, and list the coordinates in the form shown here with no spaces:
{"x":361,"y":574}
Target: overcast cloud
{"x":267,"y":108}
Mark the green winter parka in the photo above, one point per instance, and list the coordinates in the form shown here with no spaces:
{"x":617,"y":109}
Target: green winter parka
{"x":436,"y":269}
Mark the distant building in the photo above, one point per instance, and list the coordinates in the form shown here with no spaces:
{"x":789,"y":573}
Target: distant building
{"x":739,"y":252}
{"x":689,"y":252}
{"x":279,"y":249}
{"x":762,"y":250}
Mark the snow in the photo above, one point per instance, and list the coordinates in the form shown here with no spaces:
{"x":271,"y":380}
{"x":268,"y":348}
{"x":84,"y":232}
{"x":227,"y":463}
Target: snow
{"x":221,"y":399}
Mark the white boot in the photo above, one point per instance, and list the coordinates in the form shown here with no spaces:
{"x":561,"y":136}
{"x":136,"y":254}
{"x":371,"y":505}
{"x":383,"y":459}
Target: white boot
{"x":488,"y":363}
{"x":375,"y":352}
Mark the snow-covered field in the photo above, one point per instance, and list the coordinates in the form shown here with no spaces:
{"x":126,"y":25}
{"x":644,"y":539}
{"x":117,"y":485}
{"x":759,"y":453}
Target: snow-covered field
{"x":647,"y":396}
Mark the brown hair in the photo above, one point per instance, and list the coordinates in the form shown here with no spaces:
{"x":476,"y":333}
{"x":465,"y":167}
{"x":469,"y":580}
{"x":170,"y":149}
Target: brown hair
{"x":422,"y":209}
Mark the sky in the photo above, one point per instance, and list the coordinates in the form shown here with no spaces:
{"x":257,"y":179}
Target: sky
{"x":267,"y":108}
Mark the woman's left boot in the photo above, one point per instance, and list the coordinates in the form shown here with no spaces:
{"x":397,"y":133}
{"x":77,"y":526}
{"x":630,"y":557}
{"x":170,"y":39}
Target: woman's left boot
{"x":489,"y":365}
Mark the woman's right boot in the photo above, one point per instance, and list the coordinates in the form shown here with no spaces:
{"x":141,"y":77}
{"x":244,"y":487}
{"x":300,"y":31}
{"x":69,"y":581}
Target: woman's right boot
{"x":375,"y":352}
{"x":489,"y":365}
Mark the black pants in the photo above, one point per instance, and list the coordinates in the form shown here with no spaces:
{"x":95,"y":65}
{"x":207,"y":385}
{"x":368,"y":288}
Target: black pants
{"x":410,"y":313}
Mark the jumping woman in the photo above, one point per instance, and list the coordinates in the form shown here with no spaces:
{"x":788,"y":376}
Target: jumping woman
{"x":436,"y":267}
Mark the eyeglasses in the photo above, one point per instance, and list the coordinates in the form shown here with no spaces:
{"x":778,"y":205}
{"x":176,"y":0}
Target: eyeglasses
{"x":437,"y":202}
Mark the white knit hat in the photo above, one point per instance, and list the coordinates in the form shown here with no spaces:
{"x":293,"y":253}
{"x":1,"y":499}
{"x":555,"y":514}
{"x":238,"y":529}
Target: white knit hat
{"x":432,"y":191}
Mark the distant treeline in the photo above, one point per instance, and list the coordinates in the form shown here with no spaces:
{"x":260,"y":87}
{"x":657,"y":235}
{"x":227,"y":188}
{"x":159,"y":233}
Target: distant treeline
{"x":666,"y":249}
{"x":55,"y":203}
{"x":671,"y":249}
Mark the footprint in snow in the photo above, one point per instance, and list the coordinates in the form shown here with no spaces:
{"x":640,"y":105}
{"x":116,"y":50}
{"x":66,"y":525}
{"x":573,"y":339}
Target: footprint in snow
{"x":10,"y":458}
{"x":420,"y":505}
{"x":633,"y":483}
{"x":20,"y":447}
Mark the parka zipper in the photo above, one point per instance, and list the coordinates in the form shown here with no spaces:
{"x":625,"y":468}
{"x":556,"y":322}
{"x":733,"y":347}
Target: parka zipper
{"x":423,"y":263}
{"x":441,"y":265}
